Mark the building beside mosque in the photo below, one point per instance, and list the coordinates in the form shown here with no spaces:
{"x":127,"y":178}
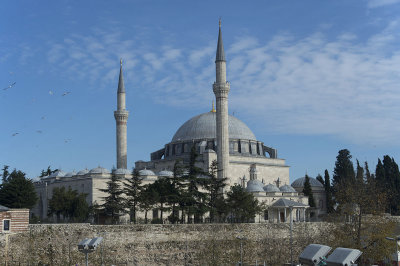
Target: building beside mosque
{"x":216,"y":135}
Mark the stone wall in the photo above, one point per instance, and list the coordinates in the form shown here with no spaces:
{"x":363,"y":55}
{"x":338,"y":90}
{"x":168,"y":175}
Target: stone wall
{"x":197,"y":244}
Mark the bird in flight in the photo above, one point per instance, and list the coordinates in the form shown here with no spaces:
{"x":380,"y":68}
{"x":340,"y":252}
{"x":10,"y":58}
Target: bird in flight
{"x":67,"y":140}
{"x":39,"y":131}
{"x":50,"y":92}
{"x":66,"y":93}
{"x":9,"y":86}
{"x":43,"y":117}
{"x":14,"y":134}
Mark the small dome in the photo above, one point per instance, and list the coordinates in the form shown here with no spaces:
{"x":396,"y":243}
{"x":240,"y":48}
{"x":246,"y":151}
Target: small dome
{"x":299,"y":182}
{"x":83,"y":172}
{"x":70,"y":174}
{"x":99,"y":170}
{"x":166,"y":173}
{"x":122,"y":171}
{"x":58,"y":173}
{"x":146,"y":172}
{"x":254,"y":186}
{"x":271,"y":188}
{"x":287,"y":188}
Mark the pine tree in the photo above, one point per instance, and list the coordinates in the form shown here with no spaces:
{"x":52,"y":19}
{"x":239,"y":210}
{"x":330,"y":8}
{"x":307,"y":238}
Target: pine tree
{"x":308,"y":191}
{"x":17,"y":191}
{"x":113,"y":203}
{"x":214,"y":187}
{"x":132,"y":194}
{"x":5,"y":173}
{"x":242,"y":206}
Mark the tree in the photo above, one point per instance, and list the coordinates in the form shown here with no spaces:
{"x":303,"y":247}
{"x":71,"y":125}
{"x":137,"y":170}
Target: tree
{"x":242,"y":206}
{"x":148,"y":198}
{"x":328,"y":192}
{"x":215,"y":200}
{"x":177,"y":187}
{"x":113,"y":203}
{"x":132,"y":192}
{"x":68,"y":203}
{"x":344,"y":170}
{"x":47,"y":172}
{"x":161,"y":189}
{"x":5,"y":173}
{"x":308,"y":191}
{"x":320,"y":179}
{"x":362,"y":203}
{"x":388,"y":176}
{"x":17,"y":191}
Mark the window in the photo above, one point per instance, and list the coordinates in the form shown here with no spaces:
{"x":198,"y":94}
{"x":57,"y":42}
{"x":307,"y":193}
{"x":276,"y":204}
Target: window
{"x":6,"y":225}
{"x":266,"y":215}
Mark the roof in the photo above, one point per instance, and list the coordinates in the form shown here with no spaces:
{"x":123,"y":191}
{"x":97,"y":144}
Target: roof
{"x":57,"y":173}
{"x":83,"y":172}
{"x":122,"y":171}
{"x":146,"y":172}
{"x":287,"y":188}
{"x":254,"y":186}
{"x":220,"y":46}
{"x":166,"y":173}
{"x":99,"y":170}
{"x":299,"y":182}
{"x":271,"y":188}
{"x":3,"y":208}
{"x":287,"y":203}
{"x":203,"y":126}
{"x":121,"y":86}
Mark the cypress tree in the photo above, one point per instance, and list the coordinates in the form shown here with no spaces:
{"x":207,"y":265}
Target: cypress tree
{"x":328,"y":191}
{"x":132,"y":191}
{"x":320,"y":179}
{"x":308,"y":191}
{"x":344,"y":169}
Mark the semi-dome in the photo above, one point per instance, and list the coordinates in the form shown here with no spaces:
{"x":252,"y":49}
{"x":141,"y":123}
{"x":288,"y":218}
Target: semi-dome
{"x":287,"y":188}
{"x":146,"y":172}
{"x":271,"y":188}
{"x":122,"y":171}
{"x":299,"y":182}
{"x":99,"y":170}
{"x":166,"y":173}
{"x":254,"y":186}
{"x":204,"y":127}
{"x":83,"y":172}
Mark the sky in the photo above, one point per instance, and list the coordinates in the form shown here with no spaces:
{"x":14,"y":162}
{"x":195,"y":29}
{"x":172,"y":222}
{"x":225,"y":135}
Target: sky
{"x":308,"y":78}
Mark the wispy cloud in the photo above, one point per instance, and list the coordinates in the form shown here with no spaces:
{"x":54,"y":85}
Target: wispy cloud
{"x":381,"y":3}
{"x":346,"y":86}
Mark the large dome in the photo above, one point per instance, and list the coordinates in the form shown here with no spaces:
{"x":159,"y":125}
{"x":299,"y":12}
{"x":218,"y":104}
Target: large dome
{"x":204,"y":127}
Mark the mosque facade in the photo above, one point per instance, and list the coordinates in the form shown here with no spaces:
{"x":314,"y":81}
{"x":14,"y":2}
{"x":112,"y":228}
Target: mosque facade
{"x":216,"y":136}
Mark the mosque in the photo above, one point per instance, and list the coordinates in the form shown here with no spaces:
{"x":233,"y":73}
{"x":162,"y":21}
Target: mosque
{"x":216,"y":135}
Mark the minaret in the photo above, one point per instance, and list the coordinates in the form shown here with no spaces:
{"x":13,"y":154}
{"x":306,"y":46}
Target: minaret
{"x":221,"y":89}
{"x":121,"y":118}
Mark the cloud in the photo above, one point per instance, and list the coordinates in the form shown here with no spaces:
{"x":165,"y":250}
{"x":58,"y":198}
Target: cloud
{"x":345,"y":86}
{"x":381,"y":3}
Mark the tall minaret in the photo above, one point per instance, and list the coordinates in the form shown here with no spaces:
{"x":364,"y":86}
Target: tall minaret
{"x":121,"y":117}
{"x":221,"y":89}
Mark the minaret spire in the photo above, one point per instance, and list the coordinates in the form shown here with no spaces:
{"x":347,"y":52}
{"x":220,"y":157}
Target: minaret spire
{"x":121,"y":118}
{"x":221,"y":89}
{"x":220,"y":46}
{"x":121,"y":86}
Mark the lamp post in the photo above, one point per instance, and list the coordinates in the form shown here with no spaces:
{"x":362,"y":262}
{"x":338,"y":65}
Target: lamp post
{"x":291,"y":237}
{"x":241,"y":238}
{"x":396,"y":240}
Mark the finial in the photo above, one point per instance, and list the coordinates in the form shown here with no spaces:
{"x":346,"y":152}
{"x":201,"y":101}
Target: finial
{"x":120,"y":61}
{"x":213,"y":109}
{"x":220,"y":22}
